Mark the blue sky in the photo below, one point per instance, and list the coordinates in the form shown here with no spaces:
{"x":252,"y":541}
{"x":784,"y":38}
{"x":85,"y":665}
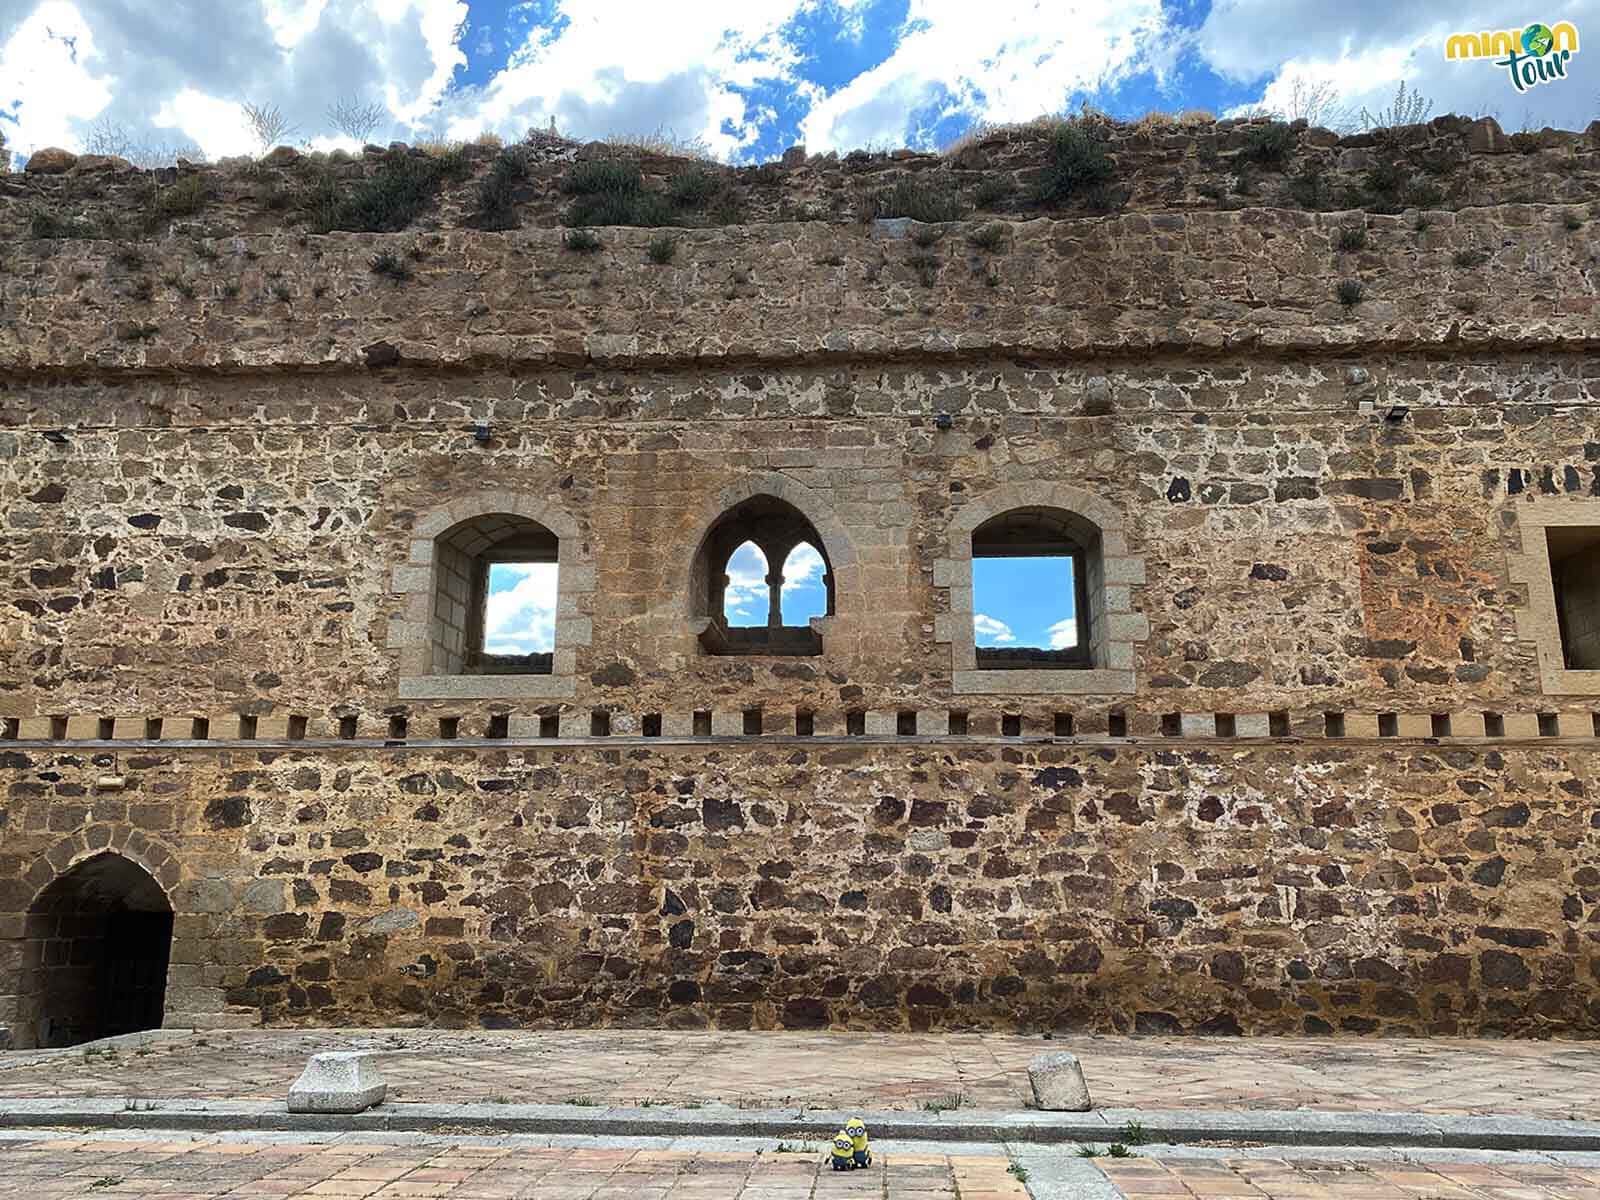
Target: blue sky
{"x":1023,"y":602}
{"x":1016,"y":601}
{"x":743,"y":78}
{"x":520,"y":617}
{"x":804,"y":596}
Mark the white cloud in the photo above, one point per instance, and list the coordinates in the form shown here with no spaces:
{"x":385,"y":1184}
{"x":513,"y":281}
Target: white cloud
{"x":439,"y":23}
{"x":48,"y":78}
{"x":1365,"y":48}
{"x":633,"y":66}
{"x":522,"y":618}
{"x":1064,"y":634}
{"x":291,"y":20}
{"x":990,"y":632}
{"x":1003,"y":60}
{"x":167,"y":71}
{"x":747,"y":584}
{"x":217,"y":126}
{"x":803,"y":568}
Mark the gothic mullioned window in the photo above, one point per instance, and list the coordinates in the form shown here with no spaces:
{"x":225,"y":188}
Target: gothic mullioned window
{"x":753,"y":606}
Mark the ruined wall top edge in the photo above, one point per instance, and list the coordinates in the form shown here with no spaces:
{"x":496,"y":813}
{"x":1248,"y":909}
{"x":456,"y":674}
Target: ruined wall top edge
{"x":1441,"y":235}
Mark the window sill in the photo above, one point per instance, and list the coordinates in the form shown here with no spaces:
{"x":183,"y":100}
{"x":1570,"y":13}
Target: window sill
{"x":1562,"y":682}
{"x":1046,"y":682}
{"x":486,"y":687}
{"x":990,"y":659}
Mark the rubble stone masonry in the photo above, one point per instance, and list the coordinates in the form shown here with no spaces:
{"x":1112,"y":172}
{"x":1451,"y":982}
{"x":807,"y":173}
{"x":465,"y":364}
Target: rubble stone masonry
{"x":1337,"y":772}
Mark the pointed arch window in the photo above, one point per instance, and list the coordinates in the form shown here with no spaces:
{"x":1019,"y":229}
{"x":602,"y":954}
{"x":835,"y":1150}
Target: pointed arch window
{"x":763,"y":581}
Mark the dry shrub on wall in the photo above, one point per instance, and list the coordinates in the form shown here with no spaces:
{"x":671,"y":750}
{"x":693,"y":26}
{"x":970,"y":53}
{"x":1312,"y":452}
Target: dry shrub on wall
{"x":662,"y":141}
{"x":497,"y":194}
{"x":404,"y":186}
{"x":931,"y":201}
{"x":611,"y":191}
{"x":1079,"y":169}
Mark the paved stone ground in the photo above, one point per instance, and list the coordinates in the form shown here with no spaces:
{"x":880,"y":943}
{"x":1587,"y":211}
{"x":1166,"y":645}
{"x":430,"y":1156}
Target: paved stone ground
{"x":207,"y":1168}
{"x":1277,"y":1179}
{"x":44,"y":1166}
{"x":1556,"y":1080}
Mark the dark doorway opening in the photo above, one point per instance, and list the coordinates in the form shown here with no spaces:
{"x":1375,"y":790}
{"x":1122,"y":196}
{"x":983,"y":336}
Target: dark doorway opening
{"x":98,"y":942}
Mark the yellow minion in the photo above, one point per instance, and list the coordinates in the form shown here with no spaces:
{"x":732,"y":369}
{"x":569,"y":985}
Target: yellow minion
{"x":860,"y":1151}
{"x":843,"y":1151}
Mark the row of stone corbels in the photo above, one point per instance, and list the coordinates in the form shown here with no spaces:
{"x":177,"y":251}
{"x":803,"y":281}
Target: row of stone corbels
{"x":874,"y":723}
{"x":227,"y":727}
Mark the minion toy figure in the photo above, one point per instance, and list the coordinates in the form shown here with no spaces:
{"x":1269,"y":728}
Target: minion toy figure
{"x":860,"y":1151}
{"x":843,"y":1152}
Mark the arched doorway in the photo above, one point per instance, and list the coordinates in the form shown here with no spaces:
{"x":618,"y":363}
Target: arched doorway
{"x":95,"y":956}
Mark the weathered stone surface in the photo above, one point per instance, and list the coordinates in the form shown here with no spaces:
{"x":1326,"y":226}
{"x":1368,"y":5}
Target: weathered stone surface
{"x":227,"y":525}
{"x":1058,"y":1083}
{"x":339,"y":1081}
{"x":51,"y":160}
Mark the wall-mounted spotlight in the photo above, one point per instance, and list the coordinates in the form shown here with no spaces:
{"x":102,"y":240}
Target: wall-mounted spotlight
{"x":1396,"y":413}
{"x":943,"y":421}
{"x":480,"y":434}
{"x":55,"y":437}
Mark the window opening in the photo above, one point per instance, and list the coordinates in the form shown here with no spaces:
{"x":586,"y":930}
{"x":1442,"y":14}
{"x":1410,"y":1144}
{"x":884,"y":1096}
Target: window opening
{"x":1575,"y":575}
{"x":761,"y":577}
{"x":1030,"y":604}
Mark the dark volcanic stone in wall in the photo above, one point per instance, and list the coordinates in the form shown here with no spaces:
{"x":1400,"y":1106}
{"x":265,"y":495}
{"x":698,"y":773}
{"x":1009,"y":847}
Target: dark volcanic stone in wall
{"x":1369,"y":604}
{"x":1400,"y":914}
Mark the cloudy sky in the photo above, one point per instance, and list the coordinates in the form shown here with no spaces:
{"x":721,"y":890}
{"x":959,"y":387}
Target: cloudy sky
{"x":745,"y":77}
{"x":520,"y":617}
{"x":1024,"y":602}
{"x":804,"y":596}
{"x":1033,"y":597}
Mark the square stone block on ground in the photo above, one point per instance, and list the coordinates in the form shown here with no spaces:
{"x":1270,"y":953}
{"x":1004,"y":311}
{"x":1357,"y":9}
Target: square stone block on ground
{"x":339,"y":1081}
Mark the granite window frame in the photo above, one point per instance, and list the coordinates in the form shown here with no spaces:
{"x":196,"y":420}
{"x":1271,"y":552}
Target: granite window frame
{"x":776,"y":528}
{"x":1539,"y":619}
{"x":827,"y":535}
{"x":417,"y":585}
{"x":1111,"y":572}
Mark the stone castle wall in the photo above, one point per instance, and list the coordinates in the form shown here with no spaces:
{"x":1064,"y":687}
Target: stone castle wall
{"x":1348,"y":786}
{"x":1286,"y":888}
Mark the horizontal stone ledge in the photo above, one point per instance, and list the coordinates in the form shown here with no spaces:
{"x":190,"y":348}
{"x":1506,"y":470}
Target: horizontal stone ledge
{"x":1155,"y":741}
{"x":1263,"y":343}
{"x":1098,"y":1126}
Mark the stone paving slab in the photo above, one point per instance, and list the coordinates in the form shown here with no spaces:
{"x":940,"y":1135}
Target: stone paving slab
{"x":1545,"y":1079}
{"x":53,"y":1165}
{"x":205,"y":1169}
{"x":1340,"y":1179}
